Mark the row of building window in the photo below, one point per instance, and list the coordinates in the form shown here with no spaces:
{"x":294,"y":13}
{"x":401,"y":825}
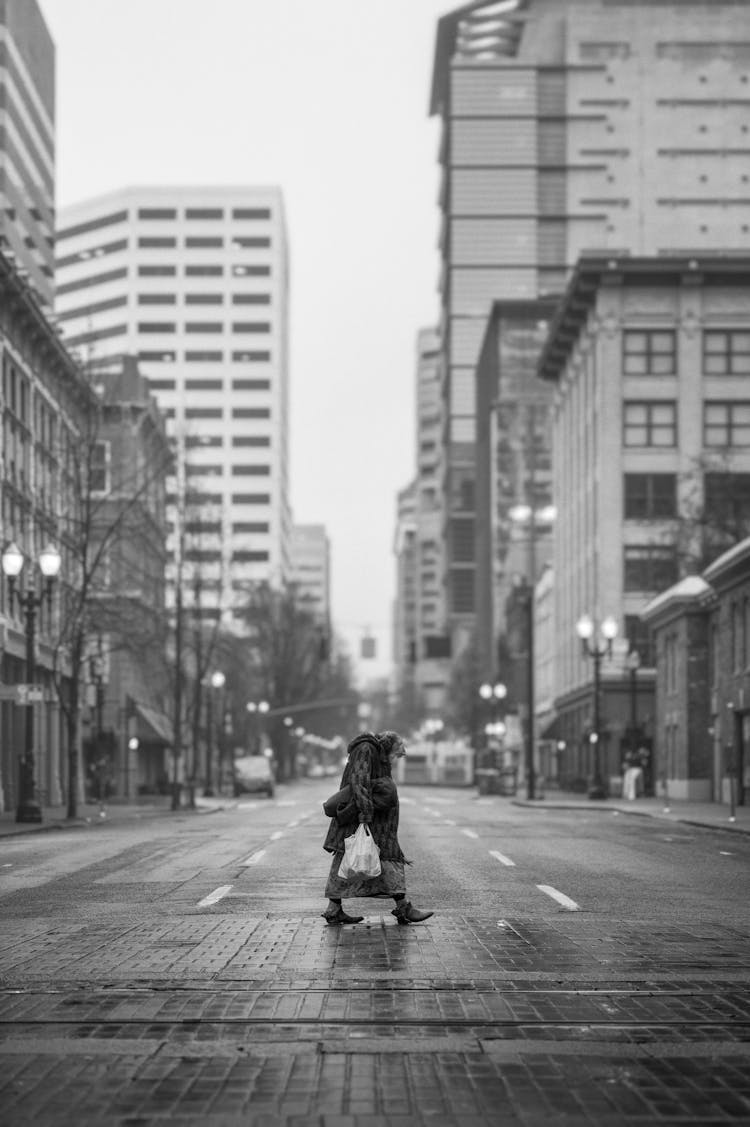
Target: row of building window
{"x":726,"y":352}
{"x":218,"y":412}
{"x":164,"y":270}
{"x":217,"y":440}
{"x":205,"y":327}
{"x":161,"y":213}
{"x":726,"y":496}
{"x":208,"y":269}
{"x":646,"y":568}
{"x":196,"y":299}
{"x":213,"y":555}
{"x":205,"y":356}
{"x":210,"y":385}
{"x":162,"y":299}
{"x":215,"y":528}
{"x":219,"y":498}
{"x":218,"y":470}
{"x":654,"y":423}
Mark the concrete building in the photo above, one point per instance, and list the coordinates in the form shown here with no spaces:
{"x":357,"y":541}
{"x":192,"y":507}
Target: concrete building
{"x":128,"y":671}
{"x":573,"y":127}
{"x":513,"y":492}
{"x":432,"y":630}
{"x":27,"y":145}
{"x":729,"y":674}
{"x":310,"y":571}
{"x":701,"y":630}
{"x":405,"y":630}
{"x":679,"y":619}
{"x":45,"y":401}
{"x":651,"y":456}
{"x":193,"y":281}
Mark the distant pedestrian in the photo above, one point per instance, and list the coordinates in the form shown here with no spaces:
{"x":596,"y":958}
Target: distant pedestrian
{"x":371,"y":758}
{"x":632,"y":781}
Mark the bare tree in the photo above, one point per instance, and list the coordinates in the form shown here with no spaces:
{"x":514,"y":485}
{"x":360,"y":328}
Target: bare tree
{"x":286,"y":659}
{"x":715,"y":511}
{"x":112,"y":535}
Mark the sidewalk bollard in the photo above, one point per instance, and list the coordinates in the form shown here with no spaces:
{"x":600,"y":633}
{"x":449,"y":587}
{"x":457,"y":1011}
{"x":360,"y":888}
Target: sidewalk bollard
{"x":665,"y":785}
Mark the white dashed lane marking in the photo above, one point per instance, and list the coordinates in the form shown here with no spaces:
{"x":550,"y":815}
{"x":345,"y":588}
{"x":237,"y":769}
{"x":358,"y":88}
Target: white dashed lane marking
{"x":214,"y":896}
{"x":276,"y":835}
{"x":254,"y":857}
{"x":560,"y":897}
{"x":501,"y":858}
{"x":470,"y":833}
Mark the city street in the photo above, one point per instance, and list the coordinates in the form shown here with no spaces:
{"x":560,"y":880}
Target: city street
{"x":582,"y":967}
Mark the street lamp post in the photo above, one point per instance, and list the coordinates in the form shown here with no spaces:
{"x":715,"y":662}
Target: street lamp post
{"x":597,"y":650}
{"x":533,"y":520}
{"x":28,"y":808}
{"x":218,"y":681}
{"x":257,"y":710}
{"x":493,"y":694}
{"x":633,"y":662}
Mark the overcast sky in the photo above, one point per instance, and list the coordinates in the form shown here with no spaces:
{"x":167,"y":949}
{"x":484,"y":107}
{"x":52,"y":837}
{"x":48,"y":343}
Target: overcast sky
{"x":329,"y":100}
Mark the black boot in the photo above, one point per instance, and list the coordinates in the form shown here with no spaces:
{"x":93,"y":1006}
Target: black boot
{"x":340,"y":917}
{"x":406,"y":914}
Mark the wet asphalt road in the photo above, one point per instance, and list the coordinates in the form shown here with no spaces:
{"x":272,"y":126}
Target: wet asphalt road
{"x":581,"y":966}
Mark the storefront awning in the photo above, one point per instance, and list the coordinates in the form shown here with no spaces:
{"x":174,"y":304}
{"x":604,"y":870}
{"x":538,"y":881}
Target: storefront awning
{"x":549,"y":728}
{"x":152,"y":726}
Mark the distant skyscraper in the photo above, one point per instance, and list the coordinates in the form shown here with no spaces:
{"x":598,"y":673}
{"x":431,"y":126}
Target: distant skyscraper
{"x":405,"y":603}
{"x":433,"y":641}
{"x":572,"y":126}
{"x":193,"y":281}
{"x":27,"y":143}
{"x":310,"y":570}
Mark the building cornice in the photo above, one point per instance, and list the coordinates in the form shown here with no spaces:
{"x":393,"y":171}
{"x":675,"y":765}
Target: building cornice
{"x":593,"y":273}
{"x":735,"y":560}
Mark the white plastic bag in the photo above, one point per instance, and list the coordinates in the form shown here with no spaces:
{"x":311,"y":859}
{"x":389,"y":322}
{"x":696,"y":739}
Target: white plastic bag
{"x":361,"y":855}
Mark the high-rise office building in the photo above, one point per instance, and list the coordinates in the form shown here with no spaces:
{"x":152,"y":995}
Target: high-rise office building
{"x":27,"y":144}
{"x":193,"y":281}
{"x":310,"y":571}
{"x":433,"y":642}
{"x":572,"y":126}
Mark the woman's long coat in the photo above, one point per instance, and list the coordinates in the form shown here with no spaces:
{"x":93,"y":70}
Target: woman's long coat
{"x":367,"y":761}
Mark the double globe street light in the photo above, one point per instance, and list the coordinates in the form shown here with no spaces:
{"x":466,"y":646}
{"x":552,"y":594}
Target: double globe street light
{"x":257,"y":709}
{"x":596,"y":644}
{"x":493,"y":694}
{"x":217,"y":681}
{"x":28,"y":808}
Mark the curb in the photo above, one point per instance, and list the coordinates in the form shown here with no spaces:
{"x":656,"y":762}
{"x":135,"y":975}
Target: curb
{"x":685,"y":820}
{"x":96,"y":822}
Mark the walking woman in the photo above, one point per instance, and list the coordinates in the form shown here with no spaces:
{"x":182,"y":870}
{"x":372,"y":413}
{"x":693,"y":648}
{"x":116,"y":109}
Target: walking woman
{"x":371,"y":758}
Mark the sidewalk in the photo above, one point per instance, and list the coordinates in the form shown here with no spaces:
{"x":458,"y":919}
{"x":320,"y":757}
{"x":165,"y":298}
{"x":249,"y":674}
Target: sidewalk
{"x":713,"y":815}
{"x":91,"y":814}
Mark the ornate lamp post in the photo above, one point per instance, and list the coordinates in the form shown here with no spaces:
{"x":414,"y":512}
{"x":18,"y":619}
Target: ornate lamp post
{"x":217,"y":682}
{"x":257,"y":710}
{"x":633,"y":662}
{"x":596,"y":644}
{"x":493,"y":694}
{"x":28,"y":808}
